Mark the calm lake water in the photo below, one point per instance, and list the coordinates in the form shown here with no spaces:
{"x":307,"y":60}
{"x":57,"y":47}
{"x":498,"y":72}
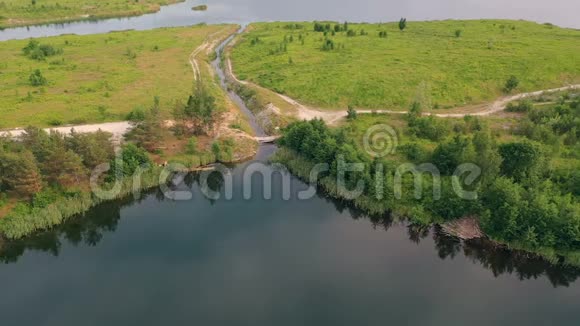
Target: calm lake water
{"x":153,"y":261}
{"x":560,"y":12}
{"x":269,"y":262}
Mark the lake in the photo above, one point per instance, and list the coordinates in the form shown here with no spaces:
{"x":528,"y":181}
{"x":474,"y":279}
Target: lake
{"x":559,"y":12}
{"x":155,"y":261}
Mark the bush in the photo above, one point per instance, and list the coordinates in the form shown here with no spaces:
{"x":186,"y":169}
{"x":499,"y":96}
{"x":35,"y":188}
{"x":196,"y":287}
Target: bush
{"x":136,"y":115}
{"x":522,"y":160}
{"x":521,"y":106}
{"x":132,"y":157}
{"x":36,"y":51}
{"x":448,"y":156}
{"x":430,"y":128}
{"x":414,"y":152}
{"x":191,"y":147}
{"x":328,"y":45}
{"x":351,"y":113}
{"x":511,"y":84}
{"x":37,"y":79}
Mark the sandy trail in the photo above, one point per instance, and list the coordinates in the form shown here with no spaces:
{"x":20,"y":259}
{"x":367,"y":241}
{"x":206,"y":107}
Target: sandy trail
{"x":207,"y":45}
{"x":118,"y":129}
{"x":332,"y":116}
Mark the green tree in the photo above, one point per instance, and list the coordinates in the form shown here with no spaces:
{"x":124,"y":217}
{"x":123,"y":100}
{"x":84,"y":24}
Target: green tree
{"x":19,"y":172}
{"x":149,"y":132}
{"x":351,"y":113}
{"x":94,"y":148}
{"x":521,"y":160}
{"x":65,"y":168}
{"x":402,"y":24}
{"x":504,"y":203}
{"x":201,"y":113}
{"x":448,"y":156}
{"x":131,"y":158}
{"x":511,"y":84}
{"x":488,"y":157}
{"x":38,"y":141}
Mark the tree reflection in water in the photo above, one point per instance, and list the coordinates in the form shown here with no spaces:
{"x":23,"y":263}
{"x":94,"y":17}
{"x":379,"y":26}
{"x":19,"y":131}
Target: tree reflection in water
{"x":89,"y":229}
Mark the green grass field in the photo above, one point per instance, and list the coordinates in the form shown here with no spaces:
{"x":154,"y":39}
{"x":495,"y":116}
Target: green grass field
{"x":369,"y":71}
{"x":28,"y":12}
{"x":103,"y":77}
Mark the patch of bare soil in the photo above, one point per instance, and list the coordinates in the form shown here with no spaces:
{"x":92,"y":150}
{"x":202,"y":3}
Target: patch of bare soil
{"x":466,"y":228}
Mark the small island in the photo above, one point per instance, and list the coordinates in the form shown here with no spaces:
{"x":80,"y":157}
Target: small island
{"x":199,"y":8}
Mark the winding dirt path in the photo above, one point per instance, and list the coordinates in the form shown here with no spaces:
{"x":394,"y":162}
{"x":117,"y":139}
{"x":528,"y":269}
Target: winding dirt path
{"x":118,"y":129}
{"x":332,"y":116}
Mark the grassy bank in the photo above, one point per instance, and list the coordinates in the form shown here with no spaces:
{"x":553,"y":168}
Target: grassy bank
{"x":456,"y":63}
{"x":96,"y":78}
{"x":20,"y":13}
{"x":26,"y":219}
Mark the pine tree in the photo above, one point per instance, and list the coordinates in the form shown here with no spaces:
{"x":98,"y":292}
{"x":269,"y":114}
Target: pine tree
{"x":402,"y":24}
{"x":149,"y":132}
{"x":94,"y":148}
{"x":20,"y":173}
{"x":64,"y":168}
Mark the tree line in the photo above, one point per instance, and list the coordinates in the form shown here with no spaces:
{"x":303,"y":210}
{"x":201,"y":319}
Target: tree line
{"x":521,"y":199}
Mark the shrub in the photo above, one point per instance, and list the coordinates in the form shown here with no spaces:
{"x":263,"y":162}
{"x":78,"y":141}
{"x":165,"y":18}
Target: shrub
{"x":511,"y":84}
{"x":136,"y":115}
{"x":328,"y":45}
{"x":35,"y":50}
{"x":430,"y":128}
{"x":37,"y":79}
{"x":351,"y":113}
{"x":414,"y":152}
{"x":191,"y":147}
{"x":521,"y":106}
{"x":521,"y":161}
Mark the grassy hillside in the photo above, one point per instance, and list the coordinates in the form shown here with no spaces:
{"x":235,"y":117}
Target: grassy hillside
{"x":28,"y":12}
{"x":102,"y":77}
{"x":455,"y":62}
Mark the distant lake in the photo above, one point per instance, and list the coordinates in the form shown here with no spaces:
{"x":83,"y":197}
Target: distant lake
{"x":560,"y":12}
